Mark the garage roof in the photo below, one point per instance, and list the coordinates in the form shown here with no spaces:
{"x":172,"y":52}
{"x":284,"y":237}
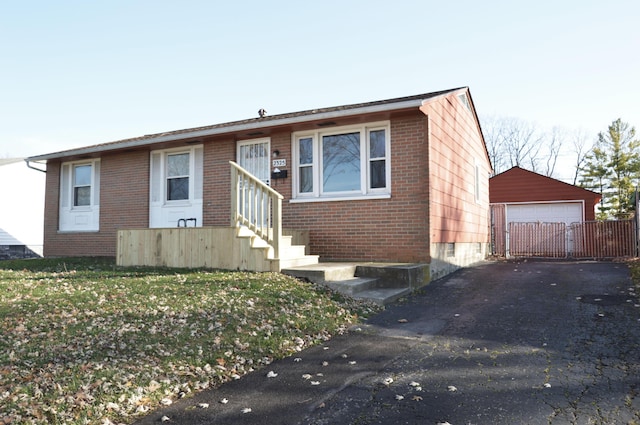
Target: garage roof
{"x":520,"y":185}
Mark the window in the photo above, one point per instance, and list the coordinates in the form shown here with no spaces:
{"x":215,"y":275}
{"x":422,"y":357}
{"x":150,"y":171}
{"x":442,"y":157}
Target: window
{"x":342,"y":162}
{"x":305,"y":162}
{"x":450,"y":249}
{"x":177,"y":177}
{"x":79,"y":196}
{"x":81,"y":185}
{"x":176,"y":186}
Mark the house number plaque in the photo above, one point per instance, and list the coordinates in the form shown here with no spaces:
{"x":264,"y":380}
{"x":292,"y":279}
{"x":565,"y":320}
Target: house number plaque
{"x":279,"y":162}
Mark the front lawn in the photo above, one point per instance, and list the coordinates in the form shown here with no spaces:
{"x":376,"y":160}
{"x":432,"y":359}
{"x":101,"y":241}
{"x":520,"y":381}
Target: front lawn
{"x":84,"y":341}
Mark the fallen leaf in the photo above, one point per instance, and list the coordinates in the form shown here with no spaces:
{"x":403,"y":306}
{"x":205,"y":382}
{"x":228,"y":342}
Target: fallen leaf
{"x":416,"y":398}
{"x":387,"y":381}
{"x":271,"y":374}
{"x":399,"y":397}
{"x":452,"y":388}
{"x":165,"y":419}
{"x":315,"y":382}
{"x":224,"y":401}
{"x":203,"y":405}
{"x":403,"y":321}
{"x":414,"y":384}
{"x":246,"y":410}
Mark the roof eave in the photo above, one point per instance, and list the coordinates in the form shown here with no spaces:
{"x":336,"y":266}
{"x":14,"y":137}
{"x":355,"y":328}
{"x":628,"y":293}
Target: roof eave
{"x":161,"y":138}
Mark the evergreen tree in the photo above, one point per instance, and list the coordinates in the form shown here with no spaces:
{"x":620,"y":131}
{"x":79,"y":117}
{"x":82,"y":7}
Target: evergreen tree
{"x":613,"y":169}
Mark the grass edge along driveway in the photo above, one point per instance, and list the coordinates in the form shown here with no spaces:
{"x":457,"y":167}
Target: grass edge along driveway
{"x":84,"y":341}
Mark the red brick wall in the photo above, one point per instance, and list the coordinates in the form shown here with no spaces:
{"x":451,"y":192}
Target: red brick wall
{"x":216,"y":209}
{"x":383,"y":229}
{"x":455,"y":148}
{"x":124,"y":203}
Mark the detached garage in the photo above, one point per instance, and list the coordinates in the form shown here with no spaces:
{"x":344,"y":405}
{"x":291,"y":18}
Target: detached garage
{"x":522,"y":196}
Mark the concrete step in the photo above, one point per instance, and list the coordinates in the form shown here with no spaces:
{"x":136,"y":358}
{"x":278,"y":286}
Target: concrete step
{"x":354,"y":285}
{"x":396,"y":275}
{"x":323,"y":272}
{"x":383,"y":296}
{"x":382,"y":283}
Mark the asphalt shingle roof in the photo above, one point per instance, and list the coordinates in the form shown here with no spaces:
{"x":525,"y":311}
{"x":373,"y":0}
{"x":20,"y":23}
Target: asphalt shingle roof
{"x":260,"y":122}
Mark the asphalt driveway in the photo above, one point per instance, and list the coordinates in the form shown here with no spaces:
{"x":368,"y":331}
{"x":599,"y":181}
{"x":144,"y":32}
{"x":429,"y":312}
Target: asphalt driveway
{"x":500,"y":343}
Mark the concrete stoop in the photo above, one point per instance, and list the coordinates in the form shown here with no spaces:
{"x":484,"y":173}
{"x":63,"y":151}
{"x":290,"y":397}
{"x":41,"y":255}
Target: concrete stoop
{"x":382,"y":283}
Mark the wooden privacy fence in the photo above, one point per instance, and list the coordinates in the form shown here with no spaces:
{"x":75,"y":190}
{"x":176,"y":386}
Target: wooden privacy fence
{"x":589,"y":239}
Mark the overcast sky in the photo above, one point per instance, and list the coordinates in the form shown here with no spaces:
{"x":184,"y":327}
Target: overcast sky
{"x":76,"y":73}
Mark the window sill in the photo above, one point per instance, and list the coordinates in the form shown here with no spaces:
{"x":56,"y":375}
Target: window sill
{"x":341,"y":198}
{"x":78,"y":231}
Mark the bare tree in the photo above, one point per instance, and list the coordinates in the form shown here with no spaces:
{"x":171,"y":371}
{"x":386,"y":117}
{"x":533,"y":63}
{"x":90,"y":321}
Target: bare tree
{"x":492,"y":128}
{"x":553,"y":143}
{"x":582,"y":144}
{"x":514,"y":142}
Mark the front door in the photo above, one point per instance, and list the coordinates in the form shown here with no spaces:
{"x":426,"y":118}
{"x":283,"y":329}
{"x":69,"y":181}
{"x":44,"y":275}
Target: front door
{"x":253,"y":156}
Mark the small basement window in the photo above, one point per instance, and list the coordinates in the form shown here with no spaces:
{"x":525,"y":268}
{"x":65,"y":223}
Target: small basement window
{"x":451,"y":249}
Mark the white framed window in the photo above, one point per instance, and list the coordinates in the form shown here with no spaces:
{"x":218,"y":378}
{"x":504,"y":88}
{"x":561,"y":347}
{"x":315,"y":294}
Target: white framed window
{"x":342,"y":162}
{"x":79,"y":196}
{"x":178,"y":176}
{"x":176,"y":185}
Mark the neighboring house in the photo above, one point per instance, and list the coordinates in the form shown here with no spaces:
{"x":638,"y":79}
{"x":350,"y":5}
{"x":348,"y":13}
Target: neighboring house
{"x":521,"y":196}
{"x":22,"y":204}
{"x":399,"y":180}
{"x":11,"y":248}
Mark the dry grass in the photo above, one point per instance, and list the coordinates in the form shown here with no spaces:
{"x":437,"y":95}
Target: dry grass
{"x":86,"y":342}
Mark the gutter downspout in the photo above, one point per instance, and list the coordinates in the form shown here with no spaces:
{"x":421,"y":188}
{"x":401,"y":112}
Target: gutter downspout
{"x":34,"y":168}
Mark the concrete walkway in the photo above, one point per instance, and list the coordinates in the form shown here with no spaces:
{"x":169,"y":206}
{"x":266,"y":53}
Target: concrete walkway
{"x":499,"y":343}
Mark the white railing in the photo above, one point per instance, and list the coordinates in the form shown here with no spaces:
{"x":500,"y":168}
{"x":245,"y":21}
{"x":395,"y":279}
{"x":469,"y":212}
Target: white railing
{"x":256,"y":206}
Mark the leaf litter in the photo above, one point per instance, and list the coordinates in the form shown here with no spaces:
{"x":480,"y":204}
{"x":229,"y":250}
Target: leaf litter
{"x":85,"y":341}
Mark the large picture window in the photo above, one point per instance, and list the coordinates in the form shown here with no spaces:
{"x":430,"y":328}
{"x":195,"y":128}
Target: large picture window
{"x":342,"y":162}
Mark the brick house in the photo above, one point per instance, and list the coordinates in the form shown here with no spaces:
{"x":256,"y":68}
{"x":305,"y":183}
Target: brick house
{"x":399,"y":180}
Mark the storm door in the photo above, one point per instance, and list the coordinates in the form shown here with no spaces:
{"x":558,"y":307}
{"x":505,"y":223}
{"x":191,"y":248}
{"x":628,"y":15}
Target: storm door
{"x":253,"y":156}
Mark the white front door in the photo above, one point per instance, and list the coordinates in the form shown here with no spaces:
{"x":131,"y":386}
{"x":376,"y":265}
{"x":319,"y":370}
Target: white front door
{"x":253,"y":156}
